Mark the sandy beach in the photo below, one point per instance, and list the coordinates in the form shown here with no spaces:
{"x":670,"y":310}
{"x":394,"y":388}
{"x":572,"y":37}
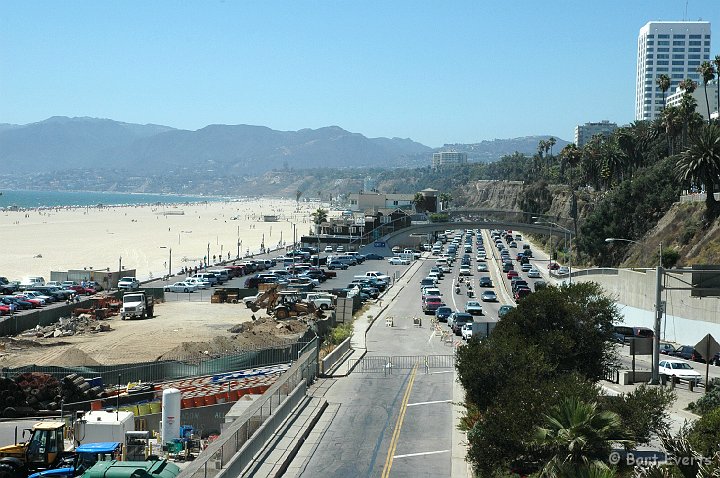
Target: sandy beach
{"x":35,"y":242}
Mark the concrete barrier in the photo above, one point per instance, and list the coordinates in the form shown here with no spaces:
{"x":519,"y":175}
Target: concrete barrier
{"x":332,"y":358}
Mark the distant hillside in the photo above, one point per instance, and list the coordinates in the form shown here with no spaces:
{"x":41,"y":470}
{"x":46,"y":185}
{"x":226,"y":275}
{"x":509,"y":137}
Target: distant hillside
{"x":61,"y":143}
{"x":492,"y":150}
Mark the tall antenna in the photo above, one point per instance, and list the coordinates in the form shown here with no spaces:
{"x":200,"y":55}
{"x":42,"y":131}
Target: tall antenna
{"x":686,"y":5}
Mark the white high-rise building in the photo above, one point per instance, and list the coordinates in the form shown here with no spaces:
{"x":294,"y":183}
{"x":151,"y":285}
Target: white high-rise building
{"x":674,"y":49}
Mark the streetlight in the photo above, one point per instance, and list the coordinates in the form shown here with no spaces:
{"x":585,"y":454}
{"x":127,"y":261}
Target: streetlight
{"x":169,"y":259}
{"x":659,"y":271}
{"x":565,"y":231}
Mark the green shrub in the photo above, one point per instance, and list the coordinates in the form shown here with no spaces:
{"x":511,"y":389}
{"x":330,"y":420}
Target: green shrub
{"x":340,"y":333}
{"x":705,"y":433}
{"x":708,"y":402}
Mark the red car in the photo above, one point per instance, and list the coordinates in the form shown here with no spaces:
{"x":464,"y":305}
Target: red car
{"x":522,"y":292}
{"x":34,"y":302}
{"x":80,"y":290}
{"x":4,"y":309}
{"x":553,"y":266}
{"x":512,"y":274}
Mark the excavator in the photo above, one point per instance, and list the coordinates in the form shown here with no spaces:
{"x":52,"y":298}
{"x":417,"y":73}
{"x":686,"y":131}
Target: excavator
{"x":283,"y":304}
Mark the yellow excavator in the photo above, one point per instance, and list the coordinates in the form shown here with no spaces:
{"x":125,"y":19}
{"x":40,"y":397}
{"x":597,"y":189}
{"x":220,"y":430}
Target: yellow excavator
{"x":44,"y":449}
{"x":283,"y":304}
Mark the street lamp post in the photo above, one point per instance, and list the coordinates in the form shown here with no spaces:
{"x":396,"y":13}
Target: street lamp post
{"x":565,"y":231}
{"x":169,"y":259}
{"x":659,"y":271}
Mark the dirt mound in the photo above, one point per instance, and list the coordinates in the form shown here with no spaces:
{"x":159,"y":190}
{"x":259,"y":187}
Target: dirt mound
{"x":72,"y":357}
{"x":263,"y":332}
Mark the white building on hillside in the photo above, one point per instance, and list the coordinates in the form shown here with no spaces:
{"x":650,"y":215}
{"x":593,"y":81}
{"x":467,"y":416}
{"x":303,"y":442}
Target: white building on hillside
{"x":448,"y":158}
{"x":584,"y":132}
{"x":674,"y":49}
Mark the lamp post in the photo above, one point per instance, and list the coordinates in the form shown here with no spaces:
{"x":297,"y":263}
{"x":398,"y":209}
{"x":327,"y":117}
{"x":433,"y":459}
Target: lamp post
{"x":659,"y":271}
{"x":565,"y":231}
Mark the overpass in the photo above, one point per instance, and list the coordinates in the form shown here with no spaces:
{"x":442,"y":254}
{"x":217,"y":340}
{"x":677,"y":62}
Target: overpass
{"x":397,"y":237}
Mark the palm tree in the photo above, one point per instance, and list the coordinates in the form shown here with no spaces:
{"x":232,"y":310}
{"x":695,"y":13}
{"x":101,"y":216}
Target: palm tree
{"x":707,"y":72}
{"x":551,"y":142}
{"x":298,"y":193}
{"x":445,"y":199}
{"x":577,"y":434}
{"x":701,"y":163}
{"x":672,"y":122}
{"x":419,"y":202}
{"x":319,"y":216}
{"x":663,"y":81}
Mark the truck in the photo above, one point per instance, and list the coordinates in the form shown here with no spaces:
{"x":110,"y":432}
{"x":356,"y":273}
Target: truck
{"x":137,"y":304}
{"x":130,"y":283}
{"x":7,"y":287}
{"x":322,"y":301}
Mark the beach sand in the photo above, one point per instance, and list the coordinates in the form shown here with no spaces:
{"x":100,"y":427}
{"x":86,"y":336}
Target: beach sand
{"x":35,"y":242}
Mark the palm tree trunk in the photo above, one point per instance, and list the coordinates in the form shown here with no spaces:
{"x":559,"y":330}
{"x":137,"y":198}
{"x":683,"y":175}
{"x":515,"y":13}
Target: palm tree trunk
{"x":707,"y":103}
{"x":711,"y":205}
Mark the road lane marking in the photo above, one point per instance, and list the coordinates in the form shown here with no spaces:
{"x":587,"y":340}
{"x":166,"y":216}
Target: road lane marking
{"x":429,"y":403}
{"x":422,"y":454}
{"x":398,"y":425}
{"x":443,"y":371}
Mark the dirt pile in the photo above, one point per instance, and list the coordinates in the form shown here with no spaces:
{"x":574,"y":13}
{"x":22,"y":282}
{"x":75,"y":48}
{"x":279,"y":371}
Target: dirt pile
{"x":263,"y":332}
{"x":66,"y":327}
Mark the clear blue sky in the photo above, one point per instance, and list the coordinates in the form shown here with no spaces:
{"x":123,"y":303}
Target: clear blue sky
{"x":434,"y":71}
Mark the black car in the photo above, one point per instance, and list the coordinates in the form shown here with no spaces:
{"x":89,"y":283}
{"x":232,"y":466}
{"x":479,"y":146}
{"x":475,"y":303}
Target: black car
{"x":442,"y":313}
{"x":485,"y":281}
{"x":459,"y":320}
{"x":622,"y":333}
{"x":374,"y":257}
{"x":688,"y":352}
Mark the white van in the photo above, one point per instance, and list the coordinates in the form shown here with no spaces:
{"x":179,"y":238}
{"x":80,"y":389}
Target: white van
{"x":32,"y":281}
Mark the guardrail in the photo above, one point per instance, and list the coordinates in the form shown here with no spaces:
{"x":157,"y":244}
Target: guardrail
{"x":612,"y":373}
{"x":236,"y":446}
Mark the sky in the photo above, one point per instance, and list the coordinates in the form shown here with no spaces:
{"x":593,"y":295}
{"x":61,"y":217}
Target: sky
{"x":437,"y":72}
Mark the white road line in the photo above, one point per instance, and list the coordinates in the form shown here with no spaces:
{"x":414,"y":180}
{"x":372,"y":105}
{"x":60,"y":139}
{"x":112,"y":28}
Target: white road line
{"x":421,"y":454}
{"x":443,"y":371}
{"x":429,"y":403}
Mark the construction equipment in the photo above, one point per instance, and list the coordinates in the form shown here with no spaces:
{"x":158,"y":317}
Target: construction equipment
{"x":45,"y":449}
{"x":83,"y":458}
{"x":283,"y":304}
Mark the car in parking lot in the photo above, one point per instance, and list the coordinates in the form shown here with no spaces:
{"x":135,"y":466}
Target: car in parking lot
{"x":488,"y":296}
{"x":337,"y":265}
{"x":373,"y":257}
{"x":485,"y":281}
{"x":397,"y":261}
{"x":533,"y":273}
{"x":679,"y":369}
{"x":473,"y":307}
{"x":198,"y":283}
{"x":180,"y":287}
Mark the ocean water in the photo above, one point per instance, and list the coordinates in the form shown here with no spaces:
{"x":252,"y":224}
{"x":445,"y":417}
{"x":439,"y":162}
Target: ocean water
{"x":32,"y":199}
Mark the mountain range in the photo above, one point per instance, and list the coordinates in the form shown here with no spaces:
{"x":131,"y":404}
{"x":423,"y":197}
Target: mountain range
{"x":61,"y":143}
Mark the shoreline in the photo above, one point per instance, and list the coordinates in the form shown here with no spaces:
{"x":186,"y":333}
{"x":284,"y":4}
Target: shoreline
{"x":149,"y":238}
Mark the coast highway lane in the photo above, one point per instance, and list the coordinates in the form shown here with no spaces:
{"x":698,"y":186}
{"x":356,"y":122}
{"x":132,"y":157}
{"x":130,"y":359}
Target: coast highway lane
{"x":391,"y":421}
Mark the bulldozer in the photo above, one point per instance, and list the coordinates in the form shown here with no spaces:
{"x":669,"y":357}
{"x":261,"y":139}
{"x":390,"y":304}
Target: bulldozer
{"x":283,"y":304}
{"x":45,"y":449}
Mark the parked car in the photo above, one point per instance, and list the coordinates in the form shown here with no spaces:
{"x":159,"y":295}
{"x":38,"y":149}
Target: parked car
{"x":488,"y":296}
{"x":688,"y":352}
{"x":473,"y":307}
{"x":337,"y":265}
{"x":621,"y":333}
{"x":374,"y":257}
{"x":553,"y":266}
{"x":396,"y":261}
{"x":80,"y":290}
{"x":667,"y":348}
{"x":130,"y":283}
{"x":180,"y":287}
{"x":681,"y":370}
{"x":328,"y":248}
{"x":198,"y":283}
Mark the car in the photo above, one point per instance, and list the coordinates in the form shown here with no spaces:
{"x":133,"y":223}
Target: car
{"x":80,"y":290}
{"x":337,"y":265}
{"x":688,"y":352}
{"x":488,"y":296}
{"x":396,"y":261}
{"x":340,"y":249}
{"x":679,"y":369}
{"x":504,"y":309}
{"x":482,"y":268}
{"x":512,"y":273}
{"x":198,"y":283}
{"x":439,"y":272}
{"x":473,"y":307}
{"x":130,"y":283}
{"x":442,"y":313}
{"x":513,"y":245}
{"x":526,"y":267}
{"x":431,"y":304}
{"x":328,"y":248}
{"x":518,"y":283}
{"x":621,"y":334}
{"x":521,"y":293}
{"x":563,"y":271}
{"x":465,"y":270}
{"x":553,"y":266}
{"x":667,"y":348}
{"x":507,"y":267}
{"x":466,"y":331}
{"x":180,"y":287}
{"x":54,"y":283}
{"x":460,"y":319}
{"x":539,"y":284}
{"x":533,"y":273}
{"x":485,"y":281}
{"x":374,"y":257}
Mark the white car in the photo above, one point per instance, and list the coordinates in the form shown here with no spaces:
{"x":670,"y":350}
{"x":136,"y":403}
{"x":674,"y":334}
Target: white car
{"x":465,"y":270}
{"x":680,"y":369}
{"x":563,"y":271}
{"x":466,"y":331}
{"x":482,"y":268}
{"x":198,"y":283}
{"x":180,"y":287}
{"x":396,"y":261}
{"x":128,"y":283}
{"x":533,"y":273}
{"x":434,"y":275}
{"x":473,"y":307}
{"x":328,"y":249}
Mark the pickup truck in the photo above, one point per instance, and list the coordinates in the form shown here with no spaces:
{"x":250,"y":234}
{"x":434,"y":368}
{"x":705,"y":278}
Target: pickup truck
{"x":6,"y":287}
{"x":130,"y":283}
{"x":137,"y":304}
{"x":322,"y":301}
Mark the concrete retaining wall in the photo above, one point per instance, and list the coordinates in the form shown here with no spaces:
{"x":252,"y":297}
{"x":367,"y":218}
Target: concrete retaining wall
{"x":687,"y":319}
{"x":331,"y":359}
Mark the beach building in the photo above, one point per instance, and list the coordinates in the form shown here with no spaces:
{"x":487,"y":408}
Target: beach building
{"x":674,"y":49}
{"x":374,"y":201}
{"x":584,"y":132}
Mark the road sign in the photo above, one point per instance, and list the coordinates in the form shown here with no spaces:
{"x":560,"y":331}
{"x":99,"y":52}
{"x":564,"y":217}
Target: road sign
{"x":707,"y":347}
{"x":379,"y":244}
